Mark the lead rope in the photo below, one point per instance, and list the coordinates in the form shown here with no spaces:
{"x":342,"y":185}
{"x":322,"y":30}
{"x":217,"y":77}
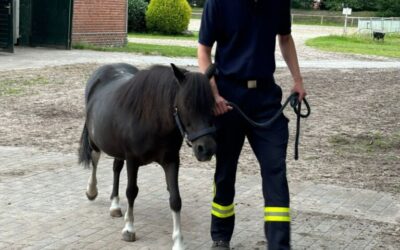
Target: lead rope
{"x":293,"y":99}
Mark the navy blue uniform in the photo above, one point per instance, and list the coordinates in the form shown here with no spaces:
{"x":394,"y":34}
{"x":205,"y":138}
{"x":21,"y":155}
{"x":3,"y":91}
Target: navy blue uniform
{"x":245,"y":32}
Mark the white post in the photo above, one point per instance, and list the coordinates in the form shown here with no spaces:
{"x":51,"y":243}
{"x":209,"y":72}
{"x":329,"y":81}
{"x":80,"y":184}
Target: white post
{"x":345,"y":25}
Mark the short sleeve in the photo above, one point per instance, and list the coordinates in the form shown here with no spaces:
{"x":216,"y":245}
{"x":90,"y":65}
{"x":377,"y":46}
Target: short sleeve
{"x":285,"y":18}
{"x":207,"y":33}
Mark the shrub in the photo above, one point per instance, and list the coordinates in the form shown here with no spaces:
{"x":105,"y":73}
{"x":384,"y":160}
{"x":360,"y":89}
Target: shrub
{"x":168,"y":16}
{"x":137,"y":15}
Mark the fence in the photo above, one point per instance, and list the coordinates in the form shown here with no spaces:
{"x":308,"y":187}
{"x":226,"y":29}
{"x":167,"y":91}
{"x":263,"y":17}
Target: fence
{"x":387,"y":25}
{"x":324,"y":20}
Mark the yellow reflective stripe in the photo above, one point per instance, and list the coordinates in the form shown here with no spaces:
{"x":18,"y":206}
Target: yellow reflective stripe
{"x":223,"y":208}
{"x":277,"y":218}
{"x":214,"y":189}
{"x":222,"y":215}
{"x":277,"y":209}
{"x":222,"y":211}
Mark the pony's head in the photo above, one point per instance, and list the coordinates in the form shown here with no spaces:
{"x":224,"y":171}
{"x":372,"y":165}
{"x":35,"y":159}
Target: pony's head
{"x":194,"y":105}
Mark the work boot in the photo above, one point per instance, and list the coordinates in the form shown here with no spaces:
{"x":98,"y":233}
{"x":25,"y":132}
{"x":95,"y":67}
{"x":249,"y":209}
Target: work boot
{"x":220,"y":245}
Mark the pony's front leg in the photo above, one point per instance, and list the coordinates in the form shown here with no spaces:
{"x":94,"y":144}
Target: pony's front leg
{"x":91,"y":190}
{"x":171,"y":174}
{"x":129,"y":233}
{"x":115,"y":208}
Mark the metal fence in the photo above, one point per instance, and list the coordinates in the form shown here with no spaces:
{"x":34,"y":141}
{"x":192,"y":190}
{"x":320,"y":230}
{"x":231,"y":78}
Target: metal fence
{"x":387,"y":25}
{"x":324,"y":20}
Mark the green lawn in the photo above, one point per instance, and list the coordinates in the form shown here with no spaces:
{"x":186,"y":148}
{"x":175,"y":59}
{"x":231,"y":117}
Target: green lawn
{"x":194,"y":37}
{"x":360,"y":44}
{"x":146,"y":49}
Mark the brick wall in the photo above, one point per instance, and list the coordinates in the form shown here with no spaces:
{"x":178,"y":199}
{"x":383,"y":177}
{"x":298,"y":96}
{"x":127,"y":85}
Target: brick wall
{"x":100,"y":22}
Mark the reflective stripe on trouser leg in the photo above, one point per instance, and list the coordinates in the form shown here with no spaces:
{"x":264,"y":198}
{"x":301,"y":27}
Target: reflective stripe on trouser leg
{"x":277,"y":214}
{"x":222,"y":211}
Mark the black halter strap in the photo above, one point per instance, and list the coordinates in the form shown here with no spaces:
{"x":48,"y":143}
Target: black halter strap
{"x":293,"y":99}
{"x":191,"y":137}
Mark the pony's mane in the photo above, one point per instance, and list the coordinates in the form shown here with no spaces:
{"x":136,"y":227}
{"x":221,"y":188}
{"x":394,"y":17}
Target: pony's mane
{"x":150,"y":95}
{"x":196,"y":94}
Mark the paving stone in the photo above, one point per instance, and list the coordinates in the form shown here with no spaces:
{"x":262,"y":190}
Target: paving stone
{"x":49,"y":210}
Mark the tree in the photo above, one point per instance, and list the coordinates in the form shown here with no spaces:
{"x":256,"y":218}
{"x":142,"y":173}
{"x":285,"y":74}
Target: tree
{"x":390,"y":8}
{"x":354,"y":4}
{"x":302,"y":4}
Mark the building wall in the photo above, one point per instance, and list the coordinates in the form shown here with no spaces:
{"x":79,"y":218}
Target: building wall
{"x":100,"y":22}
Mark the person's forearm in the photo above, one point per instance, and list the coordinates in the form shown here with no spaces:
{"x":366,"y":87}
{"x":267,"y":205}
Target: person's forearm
{"x":204,"y":61}
{"x":204,"y":57}
{"x":289,"y":54}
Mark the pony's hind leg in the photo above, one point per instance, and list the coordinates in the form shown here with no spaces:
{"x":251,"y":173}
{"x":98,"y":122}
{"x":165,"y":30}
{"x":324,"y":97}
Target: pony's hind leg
{"x":128,"y":233}
{"x":91,"y":190}
{"x":171,"y":174}
{"x":115,"y":208}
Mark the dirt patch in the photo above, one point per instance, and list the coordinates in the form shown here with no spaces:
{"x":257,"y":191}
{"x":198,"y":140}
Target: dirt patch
{"x":349,"y":140}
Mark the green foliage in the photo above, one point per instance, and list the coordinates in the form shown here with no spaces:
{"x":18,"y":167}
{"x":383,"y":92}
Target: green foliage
{"x":390,"y":8}
{"x":168,"y":16}
{"x":354,"y":4}
{"x":302,"y":4}
{"x":137,"y":15}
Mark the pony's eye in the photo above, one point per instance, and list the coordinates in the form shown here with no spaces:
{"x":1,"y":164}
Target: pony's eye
{"x":188,"y":125}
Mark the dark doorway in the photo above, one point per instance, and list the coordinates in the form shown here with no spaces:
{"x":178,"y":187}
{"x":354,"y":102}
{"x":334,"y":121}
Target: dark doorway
{"x":51,"y":23}
{"x":6,"y":26}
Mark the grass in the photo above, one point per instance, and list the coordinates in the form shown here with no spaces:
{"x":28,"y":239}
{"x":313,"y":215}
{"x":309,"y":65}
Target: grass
{"x":146,"y":49}
{"x":372,"y":142}
{"x":19,"y":86}
{"x":193,"y":37}
{"x":358,"y":44}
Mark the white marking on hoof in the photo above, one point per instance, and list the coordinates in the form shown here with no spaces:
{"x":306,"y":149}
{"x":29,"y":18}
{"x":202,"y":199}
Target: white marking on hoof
{"x":128,"y":236}
{"x":178,"y":244}
{"x":91,"y":191}
{"x":177,"y":234}
{"x":128,"y":233}
{"x":115,"y":208}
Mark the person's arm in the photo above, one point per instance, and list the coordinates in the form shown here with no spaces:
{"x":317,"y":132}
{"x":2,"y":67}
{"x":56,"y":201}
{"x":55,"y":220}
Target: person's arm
{"x":204,"y":60}
{"x":289,"y":54}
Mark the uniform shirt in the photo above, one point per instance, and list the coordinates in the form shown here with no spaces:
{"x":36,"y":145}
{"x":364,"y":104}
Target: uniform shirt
{"x":245,"y":32}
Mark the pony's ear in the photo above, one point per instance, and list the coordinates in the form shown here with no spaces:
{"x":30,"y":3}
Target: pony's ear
{"x":210,"y":71}
{"x":178,"y":73}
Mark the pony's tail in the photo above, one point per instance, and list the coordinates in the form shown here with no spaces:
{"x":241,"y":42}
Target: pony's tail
{"x":85,"y":149}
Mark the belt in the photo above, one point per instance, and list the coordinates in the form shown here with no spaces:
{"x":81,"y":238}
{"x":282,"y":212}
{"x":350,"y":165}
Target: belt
{"x":251,"y":83}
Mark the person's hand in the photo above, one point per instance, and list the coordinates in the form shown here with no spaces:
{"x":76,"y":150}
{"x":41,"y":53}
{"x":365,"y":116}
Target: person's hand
{"x":298,"y":87}
{"x":221,"y":106}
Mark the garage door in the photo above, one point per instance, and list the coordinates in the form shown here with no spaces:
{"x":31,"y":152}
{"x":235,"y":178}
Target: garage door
{"x":6,"y":26}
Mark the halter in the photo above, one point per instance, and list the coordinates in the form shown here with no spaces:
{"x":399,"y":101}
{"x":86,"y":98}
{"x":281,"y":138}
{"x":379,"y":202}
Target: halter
{"x":191,"y":137}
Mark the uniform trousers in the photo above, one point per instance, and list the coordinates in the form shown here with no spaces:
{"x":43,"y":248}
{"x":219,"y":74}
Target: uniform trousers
{"x":269,"y":146}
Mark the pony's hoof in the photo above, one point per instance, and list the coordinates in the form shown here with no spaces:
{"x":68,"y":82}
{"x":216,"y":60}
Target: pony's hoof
{"x":91,"y":196}
{"x":116,"y":212}
{"x":128,"y":236}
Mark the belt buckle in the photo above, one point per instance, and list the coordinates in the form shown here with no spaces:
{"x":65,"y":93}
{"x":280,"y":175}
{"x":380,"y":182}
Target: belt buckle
{"x":252,"y":84}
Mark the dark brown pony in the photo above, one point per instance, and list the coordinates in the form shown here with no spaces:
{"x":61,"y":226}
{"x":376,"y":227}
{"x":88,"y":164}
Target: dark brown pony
{"x":141,"y":117}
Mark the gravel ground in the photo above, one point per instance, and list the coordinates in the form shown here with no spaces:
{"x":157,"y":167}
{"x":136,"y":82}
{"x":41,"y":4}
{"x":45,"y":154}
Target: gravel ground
{"x":351,"y":139}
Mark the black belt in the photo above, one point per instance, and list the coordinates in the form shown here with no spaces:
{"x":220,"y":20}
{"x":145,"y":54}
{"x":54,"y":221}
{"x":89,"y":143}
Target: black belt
{"x":249,"y":83}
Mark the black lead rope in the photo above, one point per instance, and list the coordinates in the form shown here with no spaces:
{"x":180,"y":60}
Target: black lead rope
{"x":293,"y":99}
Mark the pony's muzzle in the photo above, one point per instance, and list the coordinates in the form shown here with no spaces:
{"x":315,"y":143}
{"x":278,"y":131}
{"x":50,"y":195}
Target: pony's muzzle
{"x":204,"y":148}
